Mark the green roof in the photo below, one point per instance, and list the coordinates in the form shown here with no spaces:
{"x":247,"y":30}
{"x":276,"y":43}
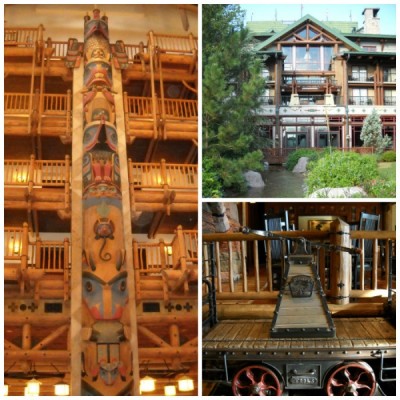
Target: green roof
{"x":316,"y":22}
{"x":264,"y":27}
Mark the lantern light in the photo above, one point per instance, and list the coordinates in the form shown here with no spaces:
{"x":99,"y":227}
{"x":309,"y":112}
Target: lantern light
{"x":147,"y":384}
{"x":33,"y":387}
{"x":170,"y":390}
{"x":61,"y":389}
{"x":185,"y":384}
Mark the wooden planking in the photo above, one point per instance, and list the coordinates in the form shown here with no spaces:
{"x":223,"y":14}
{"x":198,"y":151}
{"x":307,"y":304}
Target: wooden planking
{"x":350,"y":333}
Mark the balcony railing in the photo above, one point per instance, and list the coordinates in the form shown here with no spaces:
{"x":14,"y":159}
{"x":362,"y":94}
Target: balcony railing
{"x":268,"y":100}
{"x":142,"y":107}
{"x":158,"y":175}
{"x":310,"y":100}
{"x":308,"y":81}
{"x":17,"y":103}
{"x":44,"y":173}
{"x":389,"y":101}
{"x":22,"y":37}
{"x":389,"y":77}
{"x":173,"y":43}
{"x":361,"y":78}
{"x":361,"y":100}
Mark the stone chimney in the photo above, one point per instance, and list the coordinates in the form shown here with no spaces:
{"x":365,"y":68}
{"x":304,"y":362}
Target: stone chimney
{"x":371,"y":21}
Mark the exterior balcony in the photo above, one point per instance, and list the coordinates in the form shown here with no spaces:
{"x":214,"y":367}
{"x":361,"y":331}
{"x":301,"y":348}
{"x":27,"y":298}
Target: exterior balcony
{"x":361,"y":100}
{"x":317,"y":83}
{"x":38,"y":185}
{"x":295,"y":100}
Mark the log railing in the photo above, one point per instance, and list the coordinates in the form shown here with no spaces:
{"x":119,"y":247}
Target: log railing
{"x":44,"y":173}
{"x":57,"y":104}
{"x":135,"y":52}
{"x":13,"y":237}
{"x":173,"y":43}
{"x":160,"y":175}
{"x":142,"y":107}
{"x":16,"y":103}
{"x":22,"y":37}
{"x":51,"y":256}
{"x":60,"y":49}
{"x":162,"y":268}
{"x":242,"y":280}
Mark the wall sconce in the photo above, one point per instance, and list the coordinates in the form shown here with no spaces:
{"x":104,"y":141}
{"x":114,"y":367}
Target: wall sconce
{"x":32,"y":387}
{"x":15,"y":244}
{"x":168,"y":250}
{"x":147,"y":384}
{"x":185,"y":384}
{"x":5,"y":390}
{"x":170,"y":390}
{"x":61,"y":389}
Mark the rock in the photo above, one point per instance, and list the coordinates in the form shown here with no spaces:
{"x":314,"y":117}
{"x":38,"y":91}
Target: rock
{"x":343,"y":193}
{"x":301,"y":166}
{"x":254,"y":179}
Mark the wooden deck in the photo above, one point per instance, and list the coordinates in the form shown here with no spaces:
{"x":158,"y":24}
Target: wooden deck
{"x":245,"y":337}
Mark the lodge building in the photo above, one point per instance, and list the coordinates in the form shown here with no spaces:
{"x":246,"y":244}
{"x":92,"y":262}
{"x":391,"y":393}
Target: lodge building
{"x":322,"y":78}
{"x":100,"y":198}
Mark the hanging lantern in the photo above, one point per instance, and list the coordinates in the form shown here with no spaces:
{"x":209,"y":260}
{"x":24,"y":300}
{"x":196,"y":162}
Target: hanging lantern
{"x":61,"y":389}
{"x":185,"y":384}
{"x":147,"y":384}
{"x":33,"y":387}
{"x":170,"y":390}
{"x":5,"y":390}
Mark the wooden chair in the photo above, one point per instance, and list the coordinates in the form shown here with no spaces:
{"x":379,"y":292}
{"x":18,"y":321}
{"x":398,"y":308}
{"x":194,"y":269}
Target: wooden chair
{"x":368,"y":222}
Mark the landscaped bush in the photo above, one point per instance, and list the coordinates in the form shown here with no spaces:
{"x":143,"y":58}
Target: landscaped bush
{"x":388,"y":156}
{"x":337,"y":170}
{"x":382,"y":189}
{"x":294,"y":157}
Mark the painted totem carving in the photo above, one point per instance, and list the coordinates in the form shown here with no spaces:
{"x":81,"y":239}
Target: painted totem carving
{"x":106,"y":352}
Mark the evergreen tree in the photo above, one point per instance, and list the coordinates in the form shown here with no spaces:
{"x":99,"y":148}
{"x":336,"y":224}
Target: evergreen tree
{"x":371,"y":133}
{"x":232,"y":86}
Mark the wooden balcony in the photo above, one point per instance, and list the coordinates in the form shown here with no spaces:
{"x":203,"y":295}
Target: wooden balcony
{"x":163,"y":187}
{"x":38,"y":185}
{"x":154,"y":118}
{"x":39,"y":269}
{"x":38,"y":114}
{"x":166,"y":271}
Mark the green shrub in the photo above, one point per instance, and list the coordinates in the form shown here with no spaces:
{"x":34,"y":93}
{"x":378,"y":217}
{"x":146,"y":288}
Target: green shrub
{"x":382,"y":189}
{"x":341,"y":170}
{"x":388,"y":156}
{"x":295,"y":156}
{"x":212,"y":185}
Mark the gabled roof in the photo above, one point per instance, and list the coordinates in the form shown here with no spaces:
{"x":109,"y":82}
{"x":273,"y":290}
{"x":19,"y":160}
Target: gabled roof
{"x":301,"y":21}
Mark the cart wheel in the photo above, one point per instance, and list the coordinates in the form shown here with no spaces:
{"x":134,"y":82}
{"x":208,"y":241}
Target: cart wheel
{"x":256,"y":380}
{"x":351,"y":379}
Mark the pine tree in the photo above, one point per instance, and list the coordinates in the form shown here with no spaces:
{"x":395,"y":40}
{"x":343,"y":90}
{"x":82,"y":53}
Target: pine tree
{"x":232,"y":86}
{"x":371,"y":133}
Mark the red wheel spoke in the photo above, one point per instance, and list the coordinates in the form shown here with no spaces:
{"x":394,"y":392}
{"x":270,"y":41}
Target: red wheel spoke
{"x":250,"y":375}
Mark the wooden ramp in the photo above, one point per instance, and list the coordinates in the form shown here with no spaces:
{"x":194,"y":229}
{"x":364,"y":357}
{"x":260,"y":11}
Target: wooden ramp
{"x":302,"y":310}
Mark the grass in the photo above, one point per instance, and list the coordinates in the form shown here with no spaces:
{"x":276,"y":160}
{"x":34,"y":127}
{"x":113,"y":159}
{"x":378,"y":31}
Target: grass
{"x":387,"y":171}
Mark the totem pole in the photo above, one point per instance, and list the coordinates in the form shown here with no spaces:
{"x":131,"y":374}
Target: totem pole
{"x":106,"y":351}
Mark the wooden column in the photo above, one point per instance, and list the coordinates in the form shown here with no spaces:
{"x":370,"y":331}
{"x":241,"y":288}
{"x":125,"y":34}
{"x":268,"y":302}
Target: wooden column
{"x":340,"y":263}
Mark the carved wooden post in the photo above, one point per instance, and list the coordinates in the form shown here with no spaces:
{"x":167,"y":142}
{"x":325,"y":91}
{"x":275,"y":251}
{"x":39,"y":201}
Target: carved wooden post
{"x":66,"y":269}
{"x":67,"y":184}
{"x":24,"y":254}
{"x":341,"y":262}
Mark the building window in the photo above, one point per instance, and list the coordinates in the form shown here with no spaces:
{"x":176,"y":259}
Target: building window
{"x":356,"y":132}
{"x":358,"y":73}
{"x":325,"y":138}
{"x":307,"y":58}
{"x":389,"y":97}
{"x":389,"y":74}
{"x":296,"y":136}
{"x":369,"y":48}
{"x":359,"y":97}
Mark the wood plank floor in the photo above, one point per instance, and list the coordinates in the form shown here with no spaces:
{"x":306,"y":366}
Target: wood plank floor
{"x":351,"y":333}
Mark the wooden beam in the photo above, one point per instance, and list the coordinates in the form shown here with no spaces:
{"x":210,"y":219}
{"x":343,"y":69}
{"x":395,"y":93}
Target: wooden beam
{"x":37,"y":355}
{"x":50,"y":338}
{"x":12,"y":319}
{"x":153,"y":337}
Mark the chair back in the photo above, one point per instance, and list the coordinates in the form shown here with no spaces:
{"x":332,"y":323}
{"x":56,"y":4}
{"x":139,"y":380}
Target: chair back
{"x":369,"y":222}
{"x":277,"y":223}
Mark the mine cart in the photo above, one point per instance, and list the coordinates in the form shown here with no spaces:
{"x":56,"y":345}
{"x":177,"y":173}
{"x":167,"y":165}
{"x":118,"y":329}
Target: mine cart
{"x":307,"y":338}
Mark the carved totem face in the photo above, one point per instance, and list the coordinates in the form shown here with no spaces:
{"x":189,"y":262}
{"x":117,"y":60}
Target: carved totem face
{"x":105,"y":300}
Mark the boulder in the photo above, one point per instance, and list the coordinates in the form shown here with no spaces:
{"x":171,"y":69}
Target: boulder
{"x":301,"y":166}
{"x":343,"y":193}
{"x":254,"y":179}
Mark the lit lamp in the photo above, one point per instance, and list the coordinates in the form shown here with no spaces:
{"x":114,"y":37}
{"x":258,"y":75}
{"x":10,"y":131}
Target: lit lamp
{"x":147,"y":384}
{"x":185,"y":384}
{"x":170,"y":390}
{"x":5,"y":390}
{"x":32,"y":388}
{"x":61,"y":389}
